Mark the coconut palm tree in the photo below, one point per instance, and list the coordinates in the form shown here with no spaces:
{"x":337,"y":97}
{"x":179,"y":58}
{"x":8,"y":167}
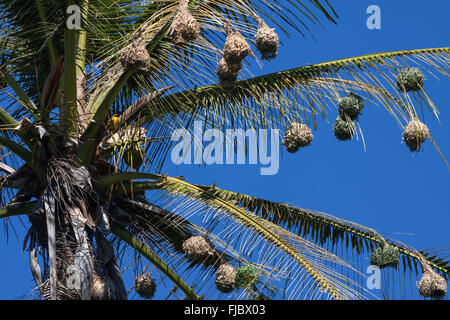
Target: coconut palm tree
{"x":91,"y":91}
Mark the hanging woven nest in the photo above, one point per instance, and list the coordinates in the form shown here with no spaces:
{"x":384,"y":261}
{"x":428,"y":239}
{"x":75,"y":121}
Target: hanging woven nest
{"x":236,"y":48}
{"x":297,"y":136}
{"x":226,"y":278}
{"x":228,"y":71}
{"x":100,"y":289}
{"x":385,"y":256}
{"x":145,"y":286}
{"x":415,"y":134}
{"x":246,"y":275}
{"x":410,"y":79}
{"x":134,"y":156}
{"x":266,"y":40}
{"x":136,"y":57}
{"x":344,"y":130}
{"x":199,"y":250}
{"x":351,"y":106}
{"x":432,"y":285}
{"x":184,"y":26}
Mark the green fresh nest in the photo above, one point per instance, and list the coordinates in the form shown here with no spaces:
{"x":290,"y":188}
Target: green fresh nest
{"x":245,"y":276}
{"x":351,"y":106}
{"x":410,"y":79}
{"x":145,"y":286}
{"x":344,"y":130}
{"x":385,"y":256}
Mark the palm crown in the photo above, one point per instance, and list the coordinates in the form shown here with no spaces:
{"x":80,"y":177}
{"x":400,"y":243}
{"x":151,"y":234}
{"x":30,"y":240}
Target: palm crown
{"x":88,"y":112}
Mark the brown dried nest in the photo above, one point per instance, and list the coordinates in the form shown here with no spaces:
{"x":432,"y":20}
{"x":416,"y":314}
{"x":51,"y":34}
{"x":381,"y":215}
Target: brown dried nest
{"x":297,"y":136}
{"x":199,"y":250}
{"x":136,"y":56}
{"x":225,"y":278}
{"x":184,"y":26}
{"x":266,"y":40}
{"x":100,"y":289}
{"x":415,"y":134}
{"x":145,"y":286}
{"x":228,"y":71}
{"x":432,"y":285}
{"x":236,"y":48}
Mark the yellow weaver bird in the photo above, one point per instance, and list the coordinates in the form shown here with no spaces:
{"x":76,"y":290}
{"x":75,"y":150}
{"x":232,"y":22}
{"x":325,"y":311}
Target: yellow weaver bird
{"x":113,"y":122}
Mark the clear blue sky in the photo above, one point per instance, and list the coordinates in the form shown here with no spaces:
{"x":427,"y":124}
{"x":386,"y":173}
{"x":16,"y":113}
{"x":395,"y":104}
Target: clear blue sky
{"x":385,"y":187}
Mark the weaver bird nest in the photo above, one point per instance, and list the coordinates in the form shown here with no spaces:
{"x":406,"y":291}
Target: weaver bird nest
{"x":226,"y":278}
{"x":385,"y":256}
{"x":432,"y":285}
{"x":351,"y":106}
{"x":199,"y":250}
{"x":228,"y":71}
{"x":344,"y":130}
{"x":245,"y":276}
{"x":266,"y":40}
{"x":145,"y":286}
{"x":415,"y":134}
{"x":297,"y":136}
{"x":236,"y":48}
{"x":410,"y":79}
{"x":184,"y":26}
{"x":100,"y":289}
{"x":136,"y":57}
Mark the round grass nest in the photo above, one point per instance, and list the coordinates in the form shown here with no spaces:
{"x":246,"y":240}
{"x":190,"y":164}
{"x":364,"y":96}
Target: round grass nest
{"x":297,"y":136}
{"x":410,"y":79}
{"x":266,"y":41}
{"x":184,"y":26}
{"x":136,"y":57}
{"x":432,"y":285}
{"x":226,"y":278}
{"x":245,"y":276}
{"x":235,"y":48}
{"x":343,"y":129}
{"x":100,"y":289}
{"x":385,"y":256}
{"x":351,"y":106}
{"x":199,"y":249}
{"x":228,"y":71}
{"x":145,"y":286}
{"x":134,"y":156}
{"x":415,"y":134}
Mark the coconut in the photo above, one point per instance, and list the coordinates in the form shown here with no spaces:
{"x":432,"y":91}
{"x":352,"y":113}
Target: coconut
{"x":410,"y":79}
{"x":236,"y":48}
{"x":344,"y":130}
{"x":199,"y":249}
{"x":297,"y":136}
{"x":145,"y":286}
{"x":415,"y":134}
{"x":351,"y":106}
{"x":225,"y":278}
{"x":245,"y":276}
{"x":385,"y":256}
{"x":228,"y":71}
{"x":432,"y":285}
{"x":100,"y":289}
{"x":184,"y":26}
{"x":266,"y":40}
{"x":136,"y":56}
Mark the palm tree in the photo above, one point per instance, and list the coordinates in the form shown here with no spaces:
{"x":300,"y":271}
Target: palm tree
{"x":88,"y":112}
